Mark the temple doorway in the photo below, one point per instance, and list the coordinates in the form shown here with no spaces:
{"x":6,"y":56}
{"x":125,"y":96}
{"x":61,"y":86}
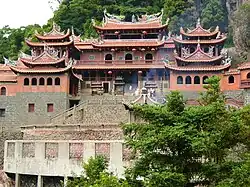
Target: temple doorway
{"x":106,"y":87}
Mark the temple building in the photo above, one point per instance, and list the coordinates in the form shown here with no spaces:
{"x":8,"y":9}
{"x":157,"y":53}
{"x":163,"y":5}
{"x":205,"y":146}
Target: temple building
{"x":128,"y":52}
{"x":69,"y":95}
{"x":198,"y":56}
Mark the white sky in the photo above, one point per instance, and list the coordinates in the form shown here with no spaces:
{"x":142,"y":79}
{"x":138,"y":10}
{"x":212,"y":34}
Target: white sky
{"x":16,"y":13}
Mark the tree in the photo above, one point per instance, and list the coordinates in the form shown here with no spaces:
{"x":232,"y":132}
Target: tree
{"x":185,"y":18}
{"x":241,"y":28}
{"x":213,"y":14}
{"x":186,"y":146}
{"x":95,"y":175}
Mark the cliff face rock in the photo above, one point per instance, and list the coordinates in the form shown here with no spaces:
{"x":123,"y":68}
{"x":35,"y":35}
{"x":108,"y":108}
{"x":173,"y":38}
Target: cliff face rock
{"x":239,"y":21}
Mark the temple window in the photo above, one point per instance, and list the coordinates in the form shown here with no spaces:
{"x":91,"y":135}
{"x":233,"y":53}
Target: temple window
{"x":148,"y":57}
{"x":248,"y":76}
{"x":50,"y":107}
{"x":57,"y":81}
{"x":179,"y":80}
{"x":41,"y":81}
{"x":49,"y":81}
{"x":33,"y":81}
{"x":31,"y":107}
{"x":108,"y":57}
{"x":196,"y":80}
{"x":3,"y":91}
{"x":188,"y":80}
{"x":26,"y":82}
{"x":231,"y":79}
{"x":128,"y":57}
{"x":204,"y":79}
{"x":2,"y":112}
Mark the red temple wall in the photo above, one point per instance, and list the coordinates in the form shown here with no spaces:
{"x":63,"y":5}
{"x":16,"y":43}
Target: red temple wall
{"x":11,"y":88}
{"x":188,"y":87}
{"x":63,"y":87}
{"x":243,"y":74}
{"x":99,"y":57}
{"x":226,"y":86}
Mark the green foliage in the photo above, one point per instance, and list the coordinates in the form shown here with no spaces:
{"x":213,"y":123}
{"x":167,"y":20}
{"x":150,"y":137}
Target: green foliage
{"x":213,"y":13}
{"x":180,"y":146}
{"x":175,"y":102}
{"x":95,"y":175}
{"x":213,"y":92}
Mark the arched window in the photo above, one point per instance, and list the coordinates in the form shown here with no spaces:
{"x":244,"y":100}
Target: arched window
{"x":109,"y":57}
{"x":148,"y":57}
{"x":128,"y":56}
{"x":197,"y":80}
{"x":188,"y":80}
{"x":41,"y":81}
{"x":248,"y":76}
{"x":204,"y":79}
{"x":3,"y":91}
{"x":231,"y":79}
{"x":179,"y":80}
{"x":26,"y":82}
{"x":57,"y":81}
{"x":49,"y":81}
{"x":33,"y":81}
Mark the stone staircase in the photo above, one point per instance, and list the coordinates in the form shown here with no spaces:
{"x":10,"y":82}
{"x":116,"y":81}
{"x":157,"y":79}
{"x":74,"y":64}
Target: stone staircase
{"x":95,"y":110}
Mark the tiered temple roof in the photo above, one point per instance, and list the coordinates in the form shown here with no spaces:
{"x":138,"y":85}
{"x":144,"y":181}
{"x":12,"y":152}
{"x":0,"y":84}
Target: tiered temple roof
{"x":7,"y":75}
{"x":45,"y":63}
{"x":53,"y":38}
{"x":44,"y":59}
{"x":112,"y":22}
{"x":117,"y":25}
{"x":212,"y":60}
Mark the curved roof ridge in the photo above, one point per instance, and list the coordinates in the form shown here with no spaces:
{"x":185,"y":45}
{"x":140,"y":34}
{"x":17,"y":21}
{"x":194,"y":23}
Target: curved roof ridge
{"x":199,"y":30}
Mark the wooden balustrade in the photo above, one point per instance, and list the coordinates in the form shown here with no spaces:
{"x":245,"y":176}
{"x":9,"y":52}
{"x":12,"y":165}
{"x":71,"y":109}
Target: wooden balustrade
{"x":245,"y":83}
{"x":118,"y":62}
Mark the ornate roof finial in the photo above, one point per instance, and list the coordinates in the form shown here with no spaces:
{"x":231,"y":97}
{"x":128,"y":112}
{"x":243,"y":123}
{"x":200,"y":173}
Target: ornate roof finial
{"x":105,"y":11}
{"x":198,"y":22}
{"x":198,"y":45}
{"x":72,"y":30}
{"x":9,"y":62}
{"x":55,"y":27}
{"x":133,"y":18}
{"x":93,"y":21}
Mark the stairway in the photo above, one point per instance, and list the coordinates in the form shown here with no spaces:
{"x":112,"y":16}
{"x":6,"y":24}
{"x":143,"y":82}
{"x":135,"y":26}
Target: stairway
{"x":95,"y":110}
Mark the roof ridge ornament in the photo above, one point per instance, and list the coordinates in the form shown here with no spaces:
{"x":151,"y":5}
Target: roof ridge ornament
{"x":51,"y":51}
{"x":8,"y":62}
{"x":198,"y":22}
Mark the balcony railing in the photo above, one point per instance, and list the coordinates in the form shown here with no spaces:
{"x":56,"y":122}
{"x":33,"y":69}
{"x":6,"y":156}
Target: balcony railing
{"x":245,"y":83}
{"x":118,"y":62}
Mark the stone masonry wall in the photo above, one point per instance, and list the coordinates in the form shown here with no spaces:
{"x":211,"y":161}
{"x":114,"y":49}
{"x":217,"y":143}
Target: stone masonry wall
{"x":40,"y":115}
{"x":16,"y":108}
{"x":88,"y":134}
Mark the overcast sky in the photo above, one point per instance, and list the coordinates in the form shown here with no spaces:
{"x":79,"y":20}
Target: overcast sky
{"x":16,"y":13}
